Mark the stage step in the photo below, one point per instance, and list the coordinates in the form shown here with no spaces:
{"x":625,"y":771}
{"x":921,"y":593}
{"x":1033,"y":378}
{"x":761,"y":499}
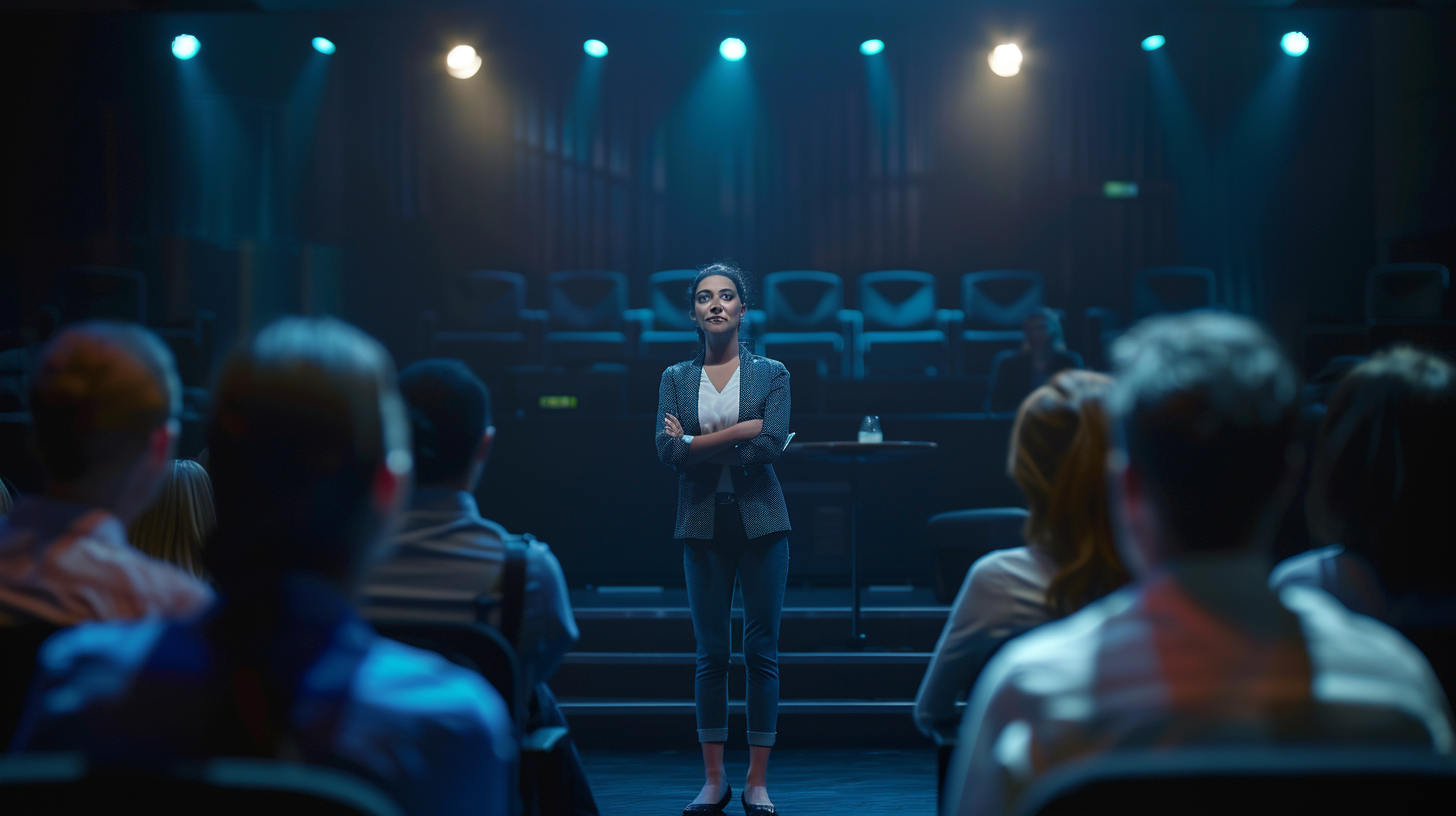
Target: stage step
{"x":802,"y":675}
{"x":801,"y":629}
{"x":670,"y":724}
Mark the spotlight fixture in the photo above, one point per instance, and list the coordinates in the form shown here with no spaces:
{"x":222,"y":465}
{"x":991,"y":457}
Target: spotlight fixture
{"x":323,"y":45}
{"x":1154,"y":42}
{"x":462,"y":62}
{"x":594,"y":48}
{"x":1005,"y":60}
{"x":185,"y":46}
{"x":732,"y":49}
{"x":1294,"y":43}
{"x":871,"y":47}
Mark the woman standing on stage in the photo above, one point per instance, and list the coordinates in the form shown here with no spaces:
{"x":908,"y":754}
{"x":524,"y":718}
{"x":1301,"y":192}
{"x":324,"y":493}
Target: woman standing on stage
{"x":722,"y":420}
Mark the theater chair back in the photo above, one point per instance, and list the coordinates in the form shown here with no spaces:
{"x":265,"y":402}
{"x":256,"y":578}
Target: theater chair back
{"x":1248,"y":780}
{"x":65,"y":784}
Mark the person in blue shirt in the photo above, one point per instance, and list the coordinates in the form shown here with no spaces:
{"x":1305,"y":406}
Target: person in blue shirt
{"x":309,"y":457}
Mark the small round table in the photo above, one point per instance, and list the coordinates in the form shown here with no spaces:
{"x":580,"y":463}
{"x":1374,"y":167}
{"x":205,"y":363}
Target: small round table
{"x":857,"y":455}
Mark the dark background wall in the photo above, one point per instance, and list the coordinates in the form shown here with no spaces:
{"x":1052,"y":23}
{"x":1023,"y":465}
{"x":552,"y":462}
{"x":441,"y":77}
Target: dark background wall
{"x":1288,"y":177}
{"x":262,"y":178}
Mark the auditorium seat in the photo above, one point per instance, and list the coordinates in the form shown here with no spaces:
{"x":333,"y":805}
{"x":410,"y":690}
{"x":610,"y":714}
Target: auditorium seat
{"x":1100,"y":327}
{"x":957,"y":538}
{"x":65,"y":784}
{"x":665,"y":332}
{"x":483,"y":649}
{"x":904,"y":334}
{"x":485,"y":323}
{"x":1248,"y":780}
{"x":588,"y":310}
{"x":1406,"y":291}
{"x":19,"y":645}
{"x":1163,"y":289}
{"x":102,"y":293}
{"x":994,"y":303}
{"x":805,"y":320}
{"x":1409,"y":303}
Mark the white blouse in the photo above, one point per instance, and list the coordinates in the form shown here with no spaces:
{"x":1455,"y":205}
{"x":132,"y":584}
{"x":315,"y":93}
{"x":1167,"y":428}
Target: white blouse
{"x":718,"y":410}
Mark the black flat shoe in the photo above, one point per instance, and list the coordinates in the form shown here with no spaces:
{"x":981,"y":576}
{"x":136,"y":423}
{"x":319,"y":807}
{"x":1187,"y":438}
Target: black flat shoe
{"x":756,"y":810}
{"x":716,"y":807}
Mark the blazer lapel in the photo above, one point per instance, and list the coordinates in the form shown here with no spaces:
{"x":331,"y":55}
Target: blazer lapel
{"x":747,"y":397}
{"x":688,"y":395}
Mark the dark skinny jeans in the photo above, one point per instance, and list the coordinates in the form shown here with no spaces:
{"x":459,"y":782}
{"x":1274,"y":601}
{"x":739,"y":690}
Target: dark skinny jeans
{"x":761,"y":567}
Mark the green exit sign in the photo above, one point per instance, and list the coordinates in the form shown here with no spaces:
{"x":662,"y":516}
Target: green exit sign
{"x":1119,"y":189}
{"x":557,"y":401}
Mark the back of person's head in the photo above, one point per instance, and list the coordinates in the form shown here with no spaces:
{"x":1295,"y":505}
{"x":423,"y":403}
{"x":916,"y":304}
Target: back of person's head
{"x":449,"y":411}
{"x":179,"y":522}
{"x":102,"y":392}
{"x":1380,"y":482}
{"x":1050,"y":325}
{"x":307,"y":429}
{"x":1078,"y":529}
{"x":1205,"y":409}
{"x":1046,"y":424}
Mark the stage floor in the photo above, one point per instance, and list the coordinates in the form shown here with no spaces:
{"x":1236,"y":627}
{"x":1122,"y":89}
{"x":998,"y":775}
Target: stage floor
{"x":803,"y":781}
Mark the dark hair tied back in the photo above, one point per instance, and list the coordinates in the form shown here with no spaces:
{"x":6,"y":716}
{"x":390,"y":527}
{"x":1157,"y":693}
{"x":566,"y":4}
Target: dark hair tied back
{"x":730,"y":271}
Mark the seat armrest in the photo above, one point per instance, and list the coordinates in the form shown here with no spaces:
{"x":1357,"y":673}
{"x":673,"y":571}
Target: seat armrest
{"x":537,"y":321}
{"x":643,"y":318}
{"x":851,"y":326}
{"x":426,"y":326}
{"x":757,"y":322}
{"x":543,"y":740}
{"x":634,"y":323}
{"x":950,"y":321}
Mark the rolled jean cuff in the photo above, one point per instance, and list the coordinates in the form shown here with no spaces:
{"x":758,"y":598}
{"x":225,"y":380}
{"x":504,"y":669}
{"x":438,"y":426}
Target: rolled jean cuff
{"x":714,"y":735}
{"x":763,"y":739}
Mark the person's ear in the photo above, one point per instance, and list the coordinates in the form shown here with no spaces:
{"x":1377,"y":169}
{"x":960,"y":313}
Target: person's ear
{"x":482,"y":449}
{"x":162,"y":445}
{"x":390,"y":486}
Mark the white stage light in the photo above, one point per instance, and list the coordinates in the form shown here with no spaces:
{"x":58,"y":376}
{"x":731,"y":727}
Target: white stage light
{"x":1294,"y":43}
{"x":732,"y":49}
{"x":595,"y":48}
{"x":1005,"y":60}
{"x":462,"y":62}
{"x":185,"y":46}
{"x":323,"y":45}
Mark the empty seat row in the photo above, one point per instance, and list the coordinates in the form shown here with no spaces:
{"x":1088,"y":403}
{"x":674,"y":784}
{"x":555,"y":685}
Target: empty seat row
{"x":898,"y":329}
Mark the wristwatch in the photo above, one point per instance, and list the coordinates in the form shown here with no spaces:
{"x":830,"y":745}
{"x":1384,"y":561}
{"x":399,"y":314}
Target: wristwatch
{"x":687,"y":439}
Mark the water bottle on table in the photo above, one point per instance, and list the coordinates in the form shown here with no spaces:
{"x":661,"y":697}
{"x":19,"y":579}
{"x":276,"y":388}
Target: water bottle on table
{"x":869,"y":430}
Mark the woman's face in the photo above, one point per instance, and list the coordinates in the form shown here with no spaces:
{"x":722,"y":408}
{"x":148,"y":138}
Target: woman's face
{"x":717,"y":308}
{"x":1037,"y":336}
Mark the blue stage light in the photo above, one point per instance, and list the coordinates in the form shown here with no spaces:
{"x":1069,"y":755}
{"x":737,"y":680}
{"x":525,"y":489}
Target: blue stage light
{"x":871,"y":47}
{"x":594,"y":48}
{"x":185,"y":46}
{"x":1294,"y":43}
{"x":732,"y":49}
{"x":323,"y":46}
{"x":1154,"y":42}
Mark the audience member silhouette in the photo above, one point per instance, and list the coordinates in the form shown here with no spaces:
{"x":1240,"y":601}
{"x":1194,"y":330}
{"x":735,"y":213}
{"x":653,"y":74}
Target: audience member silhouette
{"x":447,"y":556}
{"x":1380,"y":491}
{"x":1043,"y":353}
{"x":309,"y":455}
{"x":1197,"y":649}
{"x":181,"y":519}
{"x":1058,"y":455}
{"x":104,"y":404}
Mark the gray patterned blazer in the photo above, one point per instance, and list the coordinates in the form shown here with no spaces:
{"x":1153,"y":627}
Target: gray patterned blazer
{"x":763,"y":393}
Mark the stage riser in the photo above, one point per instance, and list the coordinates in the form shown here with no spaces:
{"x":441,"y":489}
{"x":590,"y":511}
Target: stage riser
{"x":676,"y":732}
{"x":645,"y":682}
{"x":917,"y":634}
